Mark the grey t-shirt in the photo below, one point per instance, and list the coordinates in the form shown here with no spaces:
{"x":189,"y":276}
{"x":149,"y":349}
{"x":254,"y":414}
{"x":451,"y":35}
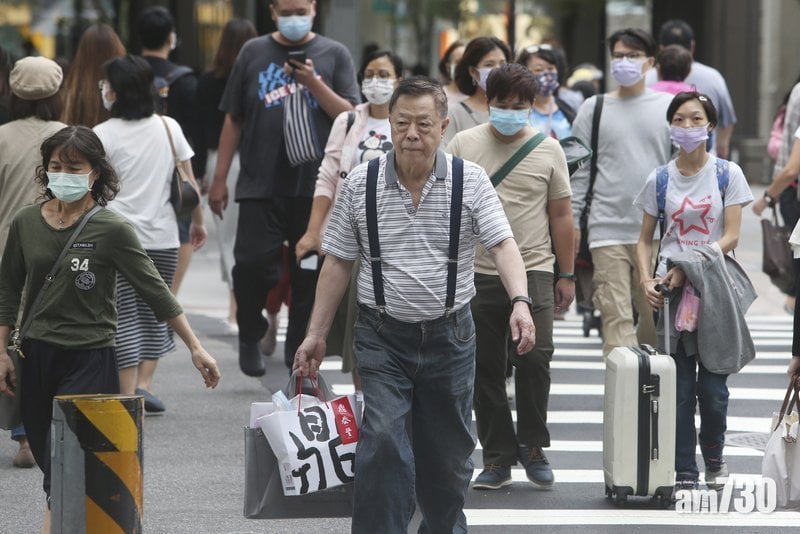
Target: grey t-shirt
{"x":633,"y":140}
{"x":255,"y":94}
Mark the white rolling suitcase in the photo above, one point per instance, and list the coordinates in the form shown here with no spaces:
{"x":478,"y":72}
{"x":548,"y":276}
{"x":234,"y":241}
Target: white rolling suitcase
{"x":639,"y":423}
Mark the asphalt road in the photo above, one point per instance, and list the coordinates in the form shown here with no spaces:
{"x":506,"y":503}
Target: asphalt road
{"x":194,"y":459}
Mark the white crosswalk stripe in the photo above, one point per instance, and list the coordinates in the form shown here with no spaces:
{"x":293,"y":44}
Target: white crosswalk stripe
{"x":575,"y":421}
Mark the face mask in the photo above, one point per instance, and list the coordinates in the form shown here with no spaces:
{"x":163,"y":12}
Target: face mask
{"x":377,"y":90}
{"x":626,"y":71}
{"x":484,"y":75}
{"x":68,"y":187}
{"x":508,"y":121}
{"x":107,"y":103}
{"x":294,"y":28}
{"x":546,"y":83}
{"x":689,"y":138}
{"x":453,"y":70}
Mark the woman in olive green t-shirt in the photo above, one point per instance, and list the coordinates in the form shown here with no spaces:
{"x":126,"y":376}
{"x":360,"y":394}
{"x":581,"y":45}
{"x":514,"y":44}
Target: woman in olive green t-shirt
{"x":69,"y":347}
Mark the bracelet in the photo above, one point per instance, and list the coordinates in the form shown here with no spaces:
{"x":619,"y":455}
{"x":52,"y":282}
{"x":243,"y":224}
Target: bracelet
{"x":525,"y":299}
{"x":769,"y":199}
{"x":568,"y":276}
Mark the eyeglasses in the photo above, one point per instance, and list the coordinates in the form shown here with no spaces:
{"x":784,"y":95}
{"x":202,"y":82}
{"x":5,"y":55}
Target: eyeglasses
{"x":630,"y":55}
{"x":535,"y":48}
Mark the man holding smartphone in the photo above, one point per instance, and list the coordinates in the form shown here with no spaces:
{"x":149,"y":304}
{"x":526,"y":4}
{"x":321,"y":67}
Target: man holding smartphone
{"x":275,"y":197}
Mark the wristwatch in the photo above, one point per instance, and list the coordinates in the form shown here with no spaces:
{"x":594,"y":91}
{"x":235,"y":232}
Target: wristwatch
{"x":568,"y":276}
{"x":769,"y":199}
{"x":525,"y":299}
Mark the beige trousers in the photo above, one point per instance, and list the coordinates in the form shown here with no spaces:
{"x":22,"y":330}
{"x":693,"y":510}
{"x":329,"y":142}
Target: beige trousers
{"x":617,"y":284}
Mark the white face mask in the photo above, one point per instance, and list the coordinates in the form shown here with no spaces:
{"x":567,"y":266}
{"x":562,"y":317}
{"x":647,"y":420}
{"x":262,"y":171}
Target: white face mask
{"x":483,"y":72}
{"x":107,"y":102}
{"x":378,"y":91}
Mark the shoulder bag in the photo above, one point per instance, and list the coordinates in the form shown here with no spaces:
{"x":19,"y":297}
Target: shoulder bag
{"x":518,"y":156}
{"x":10,"y":407}
{"x":183,"y":196}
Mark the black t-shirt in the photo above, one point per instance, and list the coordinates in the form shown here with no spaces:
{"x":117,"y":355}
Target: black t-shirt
{"x":255,"y":93}
{"x":209,"y":94}
{"x":182,"y":106}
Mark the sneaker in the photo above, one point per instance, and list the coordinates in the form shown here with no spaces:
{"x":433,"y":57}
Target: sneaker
{"x":717,"y":477}
{"x":250,"y":361}
{"x":152,"y":404}
{"x":270,"y":339}
{"x":536,"y":466}
{"x":24,"y":457}
{"x":493,"y":477}
{"x":681,"y":485}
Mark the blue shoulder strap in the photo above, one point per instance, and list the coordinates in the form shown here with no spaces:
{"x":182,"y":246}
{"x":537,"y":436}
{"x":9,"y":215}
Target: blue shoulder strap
{"x":662,"y":178}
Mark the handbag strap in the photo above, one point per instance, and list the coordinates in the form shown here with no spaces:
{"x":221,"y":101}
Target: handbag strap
{"x":171,"y":145}
{"x":518,"y":156}
{"x":48,"y":280}
{"x":789,"y":401}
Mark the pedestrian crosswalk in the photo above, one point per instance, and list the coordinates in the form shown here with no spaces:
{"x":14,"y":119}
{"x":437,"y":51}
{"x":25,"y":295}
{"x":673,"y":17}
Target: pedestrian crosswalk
{"x":575,"y":419}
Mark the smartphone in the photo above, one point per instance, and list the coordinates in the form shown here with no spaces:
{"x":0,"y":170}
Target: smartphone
{"x":310,"y":262}
{"x":298,"y":56}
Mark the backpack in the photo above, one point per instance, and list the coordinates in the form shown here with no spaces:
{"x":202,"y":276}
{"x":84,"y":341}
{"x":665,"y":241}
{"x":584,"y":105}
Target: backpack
{"x":161,"y":85}
{"x":662,"y":179}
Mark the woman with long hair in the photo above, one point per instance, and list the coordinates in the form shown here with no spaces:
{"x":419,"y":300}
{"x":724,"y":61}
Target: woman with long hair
{"x":210,"y":87}
{"x":98,"y":44}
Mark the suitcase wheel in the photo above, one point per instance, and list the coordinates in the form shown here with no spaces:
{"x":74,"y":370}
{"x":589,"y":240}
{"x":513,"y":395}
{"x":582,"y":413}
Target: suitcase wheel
{"x":663,"y":497}
{"x":621,"y":497}
{"x":609,"y":493}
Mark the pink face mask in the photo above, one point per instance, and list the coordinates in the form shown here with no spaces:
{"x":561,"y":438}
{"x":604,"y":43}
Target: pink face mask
{"x":689,"y":138}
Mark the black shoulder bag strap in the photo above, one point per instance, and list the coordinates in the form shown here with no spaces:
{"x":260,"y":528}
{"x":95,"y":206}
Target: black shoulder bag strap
{"x":598,"y":111}
{"x":514,"y":160}
{"x":17,"y":337}
{"x":374,"y":243}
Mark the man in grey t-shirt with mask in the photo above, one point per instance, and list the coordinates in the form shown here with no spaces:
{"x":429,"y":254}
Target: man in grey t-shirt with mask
{"x":274,"y":195}
{"x":633,"y":139}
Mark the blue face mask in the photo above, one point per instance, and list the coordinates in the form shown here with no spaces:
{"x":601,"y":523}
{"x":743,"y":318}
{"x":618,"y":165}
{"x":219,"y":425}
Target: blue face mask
{"x":68,"y":187}
{"x":508,"y":121}
{"x":296,"y":27}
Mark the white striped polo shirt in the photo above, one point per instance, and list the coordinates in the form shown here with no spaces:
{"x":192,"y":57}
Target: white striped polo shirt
{"x":414,"y":242}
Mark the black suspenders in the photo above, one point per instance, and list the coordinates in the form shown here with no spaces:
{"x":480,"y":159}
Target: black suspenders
{"x":374,"y":242}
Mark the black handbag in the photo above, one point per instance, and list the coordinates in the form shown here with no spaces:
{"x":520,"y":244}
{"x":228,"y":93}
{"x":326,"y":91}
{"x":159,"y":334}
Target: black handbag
{"x":776,"y":257}
{"x":183,"y":194}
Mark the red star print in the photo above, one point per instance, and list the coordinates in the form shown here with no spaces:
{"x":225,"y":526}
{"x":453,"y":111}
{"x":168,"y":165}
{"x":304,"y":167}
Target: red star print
{"x":690,"y":214}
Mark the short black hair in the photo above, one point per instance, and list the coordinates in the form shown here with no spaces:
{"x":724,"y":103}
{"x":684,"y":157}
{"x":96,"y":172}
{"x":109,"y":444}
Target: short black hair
{"x":542,"y":51}
{"x":416,"y":86}
{"x":75,"y":140}
{"x":633,"y":38}
{"x":704,"y":100}
{"x":674,"y":63}
{"x":473,"y":53}
{"x":397,"y":62}
{"x":676,"y":31}
{"x":445,"y":61}
{"x":154,"y":26}
{"x":131,"y":78}
{"x":509,"y":80}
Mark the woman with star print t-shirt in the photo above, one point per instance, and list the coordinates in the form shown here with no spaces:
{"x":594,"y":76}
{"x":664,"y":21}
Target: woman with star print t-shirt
{"x":701,"y":208}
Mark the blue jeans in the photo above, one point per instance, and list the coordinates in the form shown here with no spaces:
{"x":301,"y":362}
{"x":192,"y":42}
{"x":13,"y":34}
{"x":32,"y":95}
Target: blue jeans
{"x":421,"y":373}
{"x":697,"y":385}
